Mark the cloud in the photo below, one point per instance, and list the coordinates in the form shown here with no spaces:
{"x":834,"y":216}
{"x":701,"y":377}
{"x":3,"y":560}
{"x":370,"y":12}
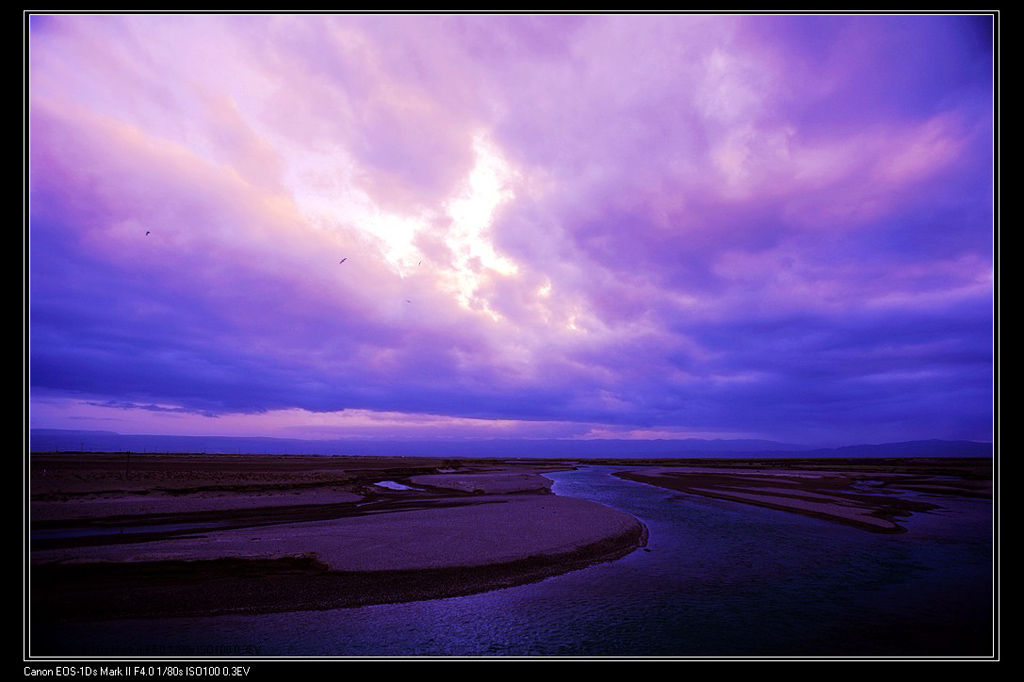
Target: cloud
{"x":764,"y":226}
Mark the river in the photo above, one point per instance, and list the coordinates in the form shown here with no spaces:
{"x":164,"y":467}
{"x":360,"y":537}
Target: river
{"x":717,"y":579}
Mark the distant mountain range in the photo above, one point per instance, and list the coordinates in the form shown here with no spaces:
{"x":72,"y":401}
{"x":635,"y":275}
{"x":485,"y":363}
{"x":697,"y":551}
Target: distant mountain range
{"x":58,"y":440}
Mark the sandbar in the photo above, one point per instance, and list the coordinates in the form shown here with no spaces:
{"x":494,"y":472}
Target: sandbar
{"x":166,"y":535}
{"x":870,"y":494}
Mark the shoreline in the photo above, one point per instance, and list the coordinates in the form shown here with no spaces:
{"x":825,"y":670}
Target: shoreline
{"x":188,"y":536}
{"x":229,"y":586}
{"x":871,"y":495}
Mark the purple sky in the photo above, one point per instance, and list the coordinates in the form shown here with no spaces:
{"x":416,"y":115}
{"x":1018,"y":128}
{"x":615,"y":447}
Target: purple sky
{"x":555,"y":226}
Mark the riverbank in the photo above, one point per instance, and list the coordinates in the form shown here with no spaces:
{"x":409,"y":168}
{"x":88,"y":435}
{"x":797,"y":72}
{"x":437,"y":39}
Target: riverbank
{"x":119,"y":535}
{"x":870,"y":494}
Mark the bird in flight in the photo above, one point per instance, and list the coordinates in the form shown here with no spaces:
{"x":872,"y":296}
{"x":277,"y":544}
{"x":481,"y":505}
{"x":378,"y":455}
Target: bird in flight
{"x":147,"y":233}
{"x":343,"y":260}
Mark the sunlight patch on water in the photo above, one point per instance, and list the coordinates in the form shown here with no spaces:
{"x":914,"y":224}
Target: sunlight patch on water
{"x":393,"y":485}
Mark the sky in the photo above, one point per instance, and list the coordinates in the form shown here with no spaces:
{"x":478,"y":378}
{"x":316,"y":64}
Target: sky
{"x":516,"y":226}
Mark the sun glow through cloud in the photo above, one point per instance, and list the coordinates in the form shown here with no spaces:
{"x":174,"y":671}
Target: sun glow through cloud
{"x":329,"y":197}
{"x":472,"y":212}
{"x":662,"y":224}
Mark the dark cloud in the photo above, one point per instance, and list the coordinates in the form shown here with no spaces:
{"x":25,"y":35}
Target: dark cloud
{"x":690,"y":224}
